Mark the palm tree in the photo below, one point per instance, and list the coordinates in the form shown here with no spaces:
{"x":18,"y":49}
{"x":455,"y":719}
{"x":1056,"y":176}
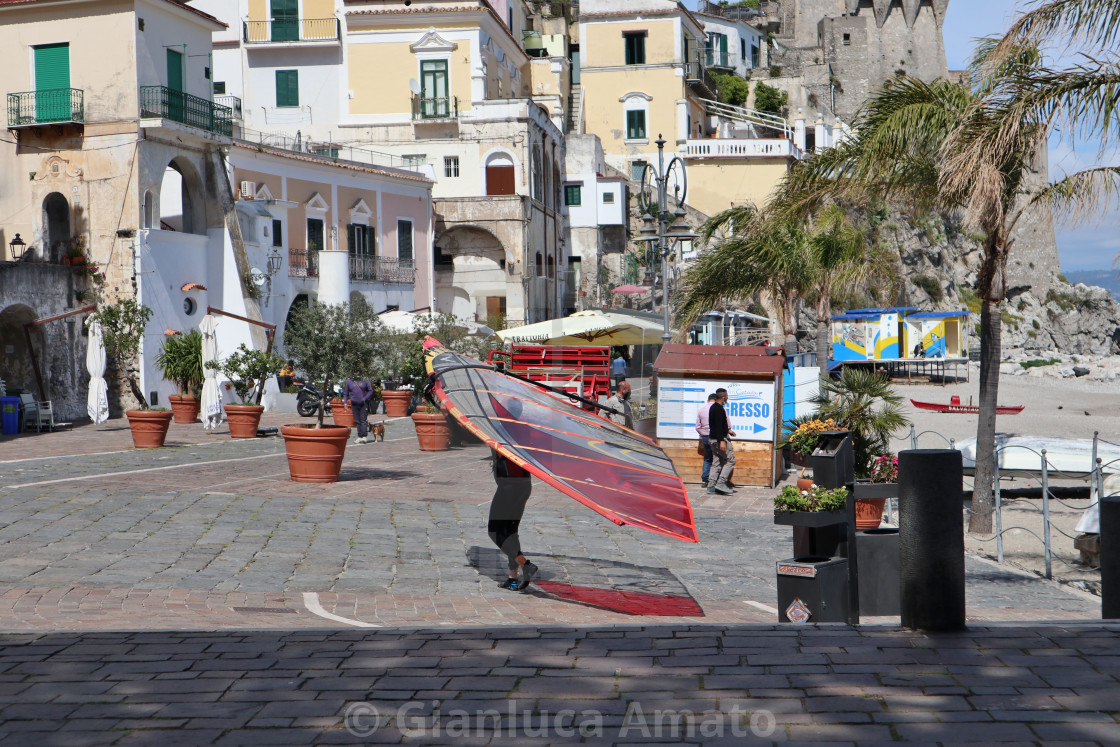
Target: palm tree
{"x":751,"y":255}
{"x":945,"y":145}
{"x":863,"y":402}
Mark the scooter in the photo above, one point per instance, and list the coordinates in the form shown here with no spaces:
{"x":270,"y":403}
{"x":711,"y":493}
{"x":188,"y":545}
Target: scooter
{"x":307,"y":400}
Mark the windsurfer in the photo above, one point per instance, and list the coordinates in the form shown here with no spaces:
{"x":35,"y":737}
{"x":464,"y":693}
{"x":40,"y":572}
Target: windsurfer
{"x":506,"y":509}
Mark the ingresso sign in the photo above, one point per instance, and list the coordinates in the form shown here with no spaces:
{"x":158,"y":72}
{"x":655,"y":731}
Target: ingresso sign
{"x":751,"y":407}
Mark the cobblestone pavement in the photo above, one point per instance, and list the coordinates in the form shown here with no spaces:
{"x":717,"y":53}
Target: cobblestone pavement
{"x":195,"y":594}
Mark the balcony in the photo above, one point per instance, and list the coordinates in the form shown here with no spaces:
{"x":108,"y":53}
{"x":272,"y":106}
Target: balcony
{"x":740,"y":148}
{"x":292,"y":31}
{"x":444,"y":107}
{"x":56,"y":106}
{"x":233,"y":102}
{"x":718,"y":58}
{"x":303,"y":263}
{"x":167,"y":103}
{"x":372,"y":268}
{"x":700,"y":80}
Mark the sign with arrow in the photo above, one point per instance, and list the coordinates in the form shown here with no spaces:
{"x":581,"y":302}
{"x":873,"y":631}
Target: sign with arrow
{"x":751,"y":407}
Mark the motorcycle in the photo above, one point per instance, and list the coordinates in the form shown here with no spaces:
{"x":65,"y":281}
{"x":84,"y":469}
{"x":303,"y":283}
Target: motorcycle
{"x":307,"y":400}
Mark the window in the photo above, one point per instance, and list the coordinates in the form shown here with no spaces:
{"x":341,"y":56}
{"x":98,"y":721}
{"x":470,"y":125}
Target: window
{"x":608,"y":198}
{"x":451,"y":166}
{"x":635,"y":47}
{"x":360,"y":240}
{"x":743,"y":50}
{"x":500,"y":175}
{"x":414,"y":159}
{"x":315,"y":236}
{"x":219,"y":87}
{"x":847,"y":40}
{"x":277,"y":232}
{"x":756,"y":60}
{"x":637,"y":169}
{"x":538,"y":177}
{"x":572,"y":196}
{"x":509,"y":17}
{"x":434,"y":101}
{"x":189,"y":306}
{"x":404,"y":240}
{"x":635,"y":125}
{"x":287,"y":88}
{"x":717,"y":50}
{"x":174,"y":70}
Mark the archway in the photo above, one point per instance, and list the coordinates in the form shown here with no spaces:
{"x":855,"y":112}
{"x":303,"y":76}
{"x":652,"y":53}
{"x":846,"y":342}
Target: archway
{"x":15,"y":359}
{"x":181,"y":207}
{"x":56,"y":225}
{"x":476,"y":277}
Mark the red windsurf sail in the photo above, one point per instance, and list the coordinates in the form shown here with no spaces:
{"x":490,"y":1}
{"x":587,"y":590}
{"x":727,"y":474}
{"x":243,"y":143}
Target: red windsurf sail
{"x":612,"y":470}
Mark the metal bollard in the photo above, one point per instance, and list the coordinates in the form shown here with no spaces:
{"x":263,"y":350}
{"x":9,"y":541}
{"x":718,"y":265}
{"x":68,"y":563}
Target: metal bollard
{"x":1110,"y":557}
{"x":1047,"y":546}
{"x":931,"y":528}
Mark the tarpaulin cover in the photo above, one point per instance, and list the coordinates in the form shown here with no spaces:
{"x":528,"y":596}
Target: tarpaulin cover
{"x":612,"y":470}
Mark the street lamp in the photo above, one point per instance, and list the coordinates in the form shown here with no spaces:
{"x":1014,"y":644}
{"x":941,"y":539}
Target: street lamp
{"x":659,"y":187}
{"x":17,"y":246}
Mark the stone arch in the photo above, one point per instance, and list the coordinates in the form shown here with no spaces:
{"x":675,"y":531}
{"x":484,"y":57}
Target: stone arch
{"x":181,"y":204}
{"x":56,"y":226}
{"x":477,"y":271}
{"x":15,"y":367}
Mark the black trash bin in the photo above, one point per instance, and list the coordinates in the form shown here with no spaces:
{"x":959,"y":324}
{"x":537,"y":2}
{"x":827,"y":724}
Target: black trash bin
{"x":833,"y":461}
{"x":878,"y":562}
{"x":813,"y":589}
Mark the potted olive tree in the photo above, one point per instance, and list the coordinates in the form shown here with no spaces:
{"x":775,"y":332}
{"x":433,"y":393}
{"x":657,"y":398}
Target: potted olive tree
{"x":328,"y":342}
{"x":245,"y":369}
{"x":122,"y":328}
{"x":180,"y":362}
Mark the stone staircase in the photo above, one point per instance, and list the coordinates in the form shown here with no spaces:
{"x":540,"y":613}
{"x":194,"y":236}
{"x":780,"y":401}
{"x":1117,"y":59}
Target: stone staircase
{"x":575,"y":111}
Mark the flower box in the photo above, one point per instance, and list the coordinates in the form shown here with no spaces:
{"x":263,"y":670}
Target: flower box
{"x":810,"y":519}
{"x":864,"y":490}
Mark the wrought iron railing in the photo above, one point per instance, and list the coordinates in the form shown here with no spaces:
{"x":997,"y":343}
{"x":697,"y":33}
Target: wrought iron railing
{"x":292,"y":30}
{"x":442,"y":107}
{"x":168,"y":103}
{"x":43,"y":107}
{"x":372,"y":268}
{"x":695,"y":73}
{"x":233,"y":102}
{"x":341,"y":151}
{"x":303,"y":263}
{"x":717,"y":58}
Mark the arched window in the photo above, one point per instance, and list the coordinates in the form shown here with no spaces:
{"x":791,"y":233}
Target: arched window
{"x":556,"y":185}
{"x":501,"y":176}
{"x":540,"y":265}
{"x":180,"y":199}
{"x":546,"y":194}
{"x":538,"y":182}
{"x":551,"y":267}
{"x":148,"y":219}
{"x":56,"y":222}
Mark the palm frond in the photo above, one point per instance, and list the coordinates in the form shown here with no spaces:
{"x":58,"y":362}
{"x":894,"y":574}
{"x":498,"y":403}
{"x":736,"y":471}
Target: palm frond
{"x":1082,"y":22}
{"x":1080,"y":196}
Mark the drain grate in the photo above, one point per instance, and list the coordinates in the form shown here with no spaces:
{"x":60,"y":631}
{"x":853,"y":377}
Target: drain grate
{"x":273,"y":610}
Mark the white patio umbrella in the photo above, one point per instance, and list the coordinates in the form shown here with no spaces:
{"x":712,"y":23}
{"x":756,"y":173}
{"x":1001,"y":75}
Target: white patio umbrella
{"x":406,"y":321}
{"x":593,"y":327}
{"x":97,"y":401}
{"x":211,"y":404}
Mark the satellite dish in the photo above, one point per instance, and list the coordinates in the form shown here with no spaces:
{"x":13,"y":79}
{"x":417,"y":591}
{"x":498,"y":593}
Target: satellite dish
{"x":258,"y":276}
{"x":414,"y":86}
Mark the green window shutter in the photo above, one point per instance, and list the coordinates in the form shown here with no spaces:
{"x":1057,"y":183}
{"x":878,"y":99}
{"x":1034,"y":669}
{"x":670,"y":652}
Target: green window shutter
{"x":52,"y":67}
{"x":404,"y":240}
{"x":287,"y":88}
{"x":572,"y":196}
{"x":635,"y":49}
{"x":174,"y":70}
{"x":351,"y":244}
{"x":635,"y":125}
{"x":285,"y":20}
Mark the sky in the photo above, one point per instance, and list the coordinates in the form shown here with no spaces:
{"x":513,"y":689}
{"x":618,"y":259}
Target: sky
{"x":1093,"y":246}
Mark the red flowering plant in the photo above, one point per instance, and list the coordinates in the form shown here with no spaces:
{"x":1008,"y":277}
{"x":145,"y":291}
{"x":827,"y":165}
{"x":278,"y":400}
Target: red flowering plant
{"x":884,"y":468}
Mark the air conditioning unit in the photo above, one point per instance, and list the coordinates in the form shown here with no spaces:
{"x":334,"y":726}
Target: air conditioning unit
{"x":248,"y":190}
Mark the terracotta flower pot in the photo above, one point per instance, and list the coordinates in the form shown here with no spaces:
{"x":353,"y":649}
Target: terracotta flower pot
{"x":185,"y":409}
{"x":869,"y":512}
{"x":804,"y":483}
{"x":432,"y":431}
{"x":244,"y":420}
{"x":149,"y":427}
{"x":343,"y":414}
{"x":315,"y":454}
{"x":396,"y":402}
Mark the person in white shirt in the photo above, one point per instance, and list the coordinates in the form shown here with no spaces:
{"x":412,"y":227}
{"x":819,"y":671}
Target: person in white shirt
{"x":704,"y":429}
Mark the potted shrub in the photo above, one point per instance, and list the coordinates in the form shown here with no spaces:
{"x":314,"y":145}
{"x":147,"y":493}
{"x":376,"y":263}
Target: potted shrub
{"x":180,"y":362}
{"x":804,"y":438}
{"x":871,"y":494}
{"x":327,"y":342}
{"x":432,"y":430}
{"x":122,"y":326}
{"x":813,"y":507}
{"x":245,"y":368}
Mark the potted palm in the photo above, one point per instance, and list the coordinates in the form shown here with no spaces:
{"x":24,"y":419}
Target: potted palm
{"x":180,"y":362}
{"x":327,"y":342}
{"x":245,"y":368}
{"x":122,"y":327}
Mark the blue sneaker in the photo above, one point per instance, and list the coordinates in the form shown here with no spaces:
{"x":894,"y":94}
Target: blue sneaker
{"x":509,"y":583}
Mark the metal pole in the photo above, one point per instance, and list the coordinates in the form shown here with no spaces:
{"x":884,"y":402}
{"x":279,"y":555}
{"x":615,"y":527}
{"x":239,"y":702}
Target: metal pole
{"x":913,"y":437}
{"x":662,"y":227}
{"x":999,"y":513}
{"x":1046,"y":513}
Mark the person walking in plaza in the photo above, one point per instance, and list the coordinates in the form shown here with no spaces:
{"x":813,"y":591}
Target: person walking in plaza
{"x":620,"y":401}
{"x":618,"y":370}
{"x":703,"y":428}
{"x":357,"y":394}
{"x":723,"y":452}
{"x":514,"y":485}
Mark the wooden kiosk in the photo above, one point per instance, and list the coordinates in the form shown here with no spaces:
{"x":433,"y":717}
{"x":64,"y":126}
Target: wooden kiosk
{"x":687,"y":374}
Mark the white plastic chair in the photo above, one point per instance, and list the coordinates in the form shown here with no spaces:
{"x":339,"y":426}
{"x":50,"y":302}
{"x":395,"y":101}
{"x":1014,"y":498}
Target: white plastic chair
{"x":46,"y":415}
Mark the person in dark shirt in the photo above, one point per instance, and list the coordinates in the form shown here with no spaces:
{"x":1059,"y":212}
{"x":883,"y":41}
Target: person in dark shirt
{"x":723,"y":452}
{"x":506,"y":509}
{"x":357,"y":394}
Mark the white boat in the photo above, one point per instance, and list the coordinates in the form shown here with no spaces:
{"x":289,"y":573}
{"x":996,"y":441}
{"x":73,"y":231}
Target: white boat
{"x":1069,"y":458}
